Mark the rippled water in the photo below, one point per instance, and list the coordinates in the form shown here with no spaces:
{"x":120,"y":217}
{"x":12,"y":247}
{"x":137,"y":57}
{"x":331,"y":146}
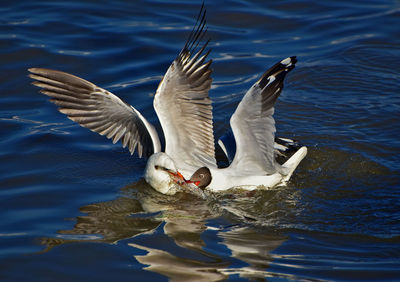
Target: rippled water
{"x":74,"y":206}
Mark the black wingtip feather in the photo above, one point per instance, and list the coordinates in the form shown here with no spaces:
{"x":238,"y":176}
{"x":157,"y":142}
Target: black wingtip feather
{"x":196,"y":35}
{"x":271,"y":82}
{"x":279,"y":71}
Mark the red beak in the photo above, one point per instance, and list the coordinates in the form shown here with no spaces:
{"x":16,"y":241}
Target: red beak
{"x":195,"y":182}
{"x":180,"y":180}
{"x":178,"y":177}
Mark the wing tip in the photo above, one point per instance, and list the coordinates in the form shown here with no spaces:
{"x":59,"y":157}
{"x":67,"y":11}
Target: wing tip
{"x":39,"y":71}
{"x":289,"y":61}
{"x":33,"y":73}
{"x":278,"y":71}
{"x":197,"y":33}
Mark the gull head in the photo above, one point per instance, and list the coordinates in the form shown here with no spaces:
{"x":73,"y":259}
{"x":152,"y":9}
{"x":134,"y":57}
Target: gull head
{"x":201,"y":177}
{"x":162,"y":175}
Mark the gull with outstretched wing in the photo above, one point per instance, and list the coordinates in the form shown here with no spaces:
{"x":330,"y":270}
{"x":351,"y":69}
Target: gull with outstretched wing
{"x":184,"y":110}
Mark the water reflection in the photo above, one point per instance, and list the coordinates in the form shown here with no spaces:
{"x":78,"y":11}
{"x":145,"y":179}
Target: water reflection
{"x":237,"y":234}
{"x":175,"y":236}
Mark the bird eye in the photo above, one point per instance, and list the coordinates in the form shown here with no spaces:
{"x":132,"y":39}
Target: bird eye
{"x":157,"y":167}
{"x":201,"y":175}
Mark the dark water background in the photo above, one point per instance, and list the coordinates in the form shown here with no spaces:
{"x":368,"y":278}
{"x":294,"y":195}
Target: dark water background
{"x":74,"y":208}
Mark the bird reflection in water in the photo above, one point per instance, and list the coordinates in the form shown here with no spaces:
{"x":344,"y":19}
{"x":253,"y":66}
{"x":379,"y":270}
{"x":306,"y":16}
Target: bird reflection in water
{"x":177,"y":233}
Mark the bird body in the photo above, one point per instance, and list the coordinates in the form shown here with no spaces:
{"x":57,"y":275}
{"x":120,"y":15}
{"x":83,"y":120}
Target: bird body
{"x":184,"y":110}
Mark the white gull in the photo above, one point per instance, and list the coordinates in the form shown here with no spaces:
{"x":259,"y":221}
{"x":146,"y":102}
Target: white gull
{"x":184,"y":110}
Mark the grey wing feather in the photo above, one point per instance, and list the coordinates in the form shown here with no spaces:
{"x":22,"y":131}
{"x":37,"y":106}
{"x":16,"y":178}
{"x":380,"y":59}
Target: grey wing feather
{"x":253,"y":124}
{"x":98,"y":110}
{"x":183,"y":105}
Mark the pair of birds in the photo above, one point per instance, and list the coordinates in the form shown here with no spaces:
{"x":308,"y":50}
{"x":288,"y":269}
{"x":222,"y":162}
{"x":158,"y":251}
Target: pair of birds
{"x":184,"y":110}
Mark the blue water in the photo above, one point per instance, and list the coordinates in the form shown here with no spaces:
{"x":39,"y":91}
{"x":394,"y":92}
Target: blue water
{"x":75,"y":208}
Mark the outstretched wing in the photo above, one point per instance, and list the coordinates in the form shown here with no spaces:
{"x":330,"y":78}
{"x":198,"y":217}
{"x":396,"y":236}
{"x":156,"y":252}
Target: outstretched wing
{"x":183,"y":105}
{"x":253,"y":124}
{"x":98,"y":110}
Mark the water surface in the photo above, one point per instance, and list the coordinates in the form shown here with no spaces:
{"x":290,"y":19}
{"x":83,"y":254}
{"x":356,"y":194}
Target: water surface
{"x":75,"y":207}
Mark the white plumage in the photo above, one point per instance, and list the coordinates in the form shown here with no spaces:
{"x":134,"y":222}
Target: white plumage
{"x":184,"y":109}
